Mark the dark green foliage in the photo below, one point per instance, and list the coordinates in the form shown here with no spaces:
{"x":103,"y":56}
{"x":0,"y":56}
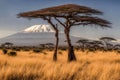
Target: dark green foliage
{"x":37,"y":50}
{"x":51,"y":49}
{"x":26,"y":49}
{"x":63,"y":48}
{"x":16,"y":49}
{"x":5,"y":51}
{"x":12,"y":53}
{"x":91,"y":49}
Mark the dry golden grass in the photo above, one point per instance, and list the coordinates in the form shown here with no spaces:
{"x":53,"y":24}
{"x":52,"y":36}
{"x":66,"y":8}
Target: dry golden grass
{"x":39,"y":66}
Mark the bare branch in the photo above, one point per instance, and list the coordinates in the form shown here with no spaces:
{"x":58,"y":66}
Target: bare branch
{"x":59,"y":22}
{"x":50,"y":22}
{"x":75,"y":24}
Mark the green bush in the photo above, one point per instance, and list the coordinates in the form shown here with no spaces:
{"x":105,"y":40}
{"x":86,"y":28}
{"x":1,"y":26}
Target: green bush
{"x":91,"y":49}
{"x":63,"y":48}
{"x":26,"y":49}
{"x":12,"y":53}
{"x":5,"y":51}
{"x":50,"y":49}
{"x":37,"y":50}
{"x":16,"y":49}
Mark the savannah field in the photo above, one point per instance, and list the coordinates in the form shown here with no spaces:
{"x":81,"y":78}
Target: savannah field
{"x":28,"y":65}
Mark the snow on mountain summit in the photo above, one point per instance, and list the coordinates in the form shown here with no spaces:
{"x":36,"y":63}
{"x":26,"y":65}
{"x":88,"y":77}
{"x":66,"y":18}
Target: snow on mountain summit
{"x":40,"y":28}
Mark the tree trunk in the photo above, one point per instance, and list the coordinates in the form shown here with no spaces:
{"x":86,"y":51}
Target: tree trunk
{"x":56,"y":46}
{"x":71,"y":55}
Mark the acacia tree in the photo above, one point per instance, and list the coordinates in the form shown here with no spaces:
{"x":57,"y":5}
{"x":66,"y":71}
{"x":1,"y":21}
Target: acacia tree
{"x":96,"y":45}
{"x":83,"y":42}
{"x":49,"y":19}
{"x":68,"y":15}
{"x":107,"y":40}
{"x":7,"y":44}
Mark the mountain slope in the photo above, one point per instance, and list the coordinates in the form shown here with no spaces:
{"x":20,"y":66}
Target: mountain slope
{"x":35,"y":35}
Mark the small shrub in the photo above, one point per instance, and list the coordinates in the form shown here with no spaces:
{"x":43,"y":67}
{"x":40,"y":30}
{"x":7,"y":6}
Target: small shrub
{"x":5,"y":51}
{"x":118,"y":51}
{"x":63,"y":48}
{"x":37,"y":50}
{"x":16,"y":49}
{"x":26,"y":49}
{"x":44,"y":53}
{"x":60,"y":52}
{"x":91,"y":50}
{"x":12,"y":53}
{"x":51,"y":49}
{"x":77,"y":48}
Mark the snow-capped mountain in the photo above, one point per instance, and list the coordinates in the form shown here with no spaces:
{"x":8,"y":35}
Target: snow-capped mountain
{"x":36,"y":35}
{"x":40,"y":28}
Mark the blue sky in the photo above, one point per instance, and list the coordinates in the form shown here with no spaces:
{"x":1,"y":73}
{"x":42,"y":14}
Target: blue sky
{"x":10,"y":24}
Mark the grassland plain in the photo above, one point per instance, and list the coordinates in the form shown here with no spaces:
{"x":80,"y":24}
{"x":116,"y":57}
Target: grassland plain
{"x":28,"y":65}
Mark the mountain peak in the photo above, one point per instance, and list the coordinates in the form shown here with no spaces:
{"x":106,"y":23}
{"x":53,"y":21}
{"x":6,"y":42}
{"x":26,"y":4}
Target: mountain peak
{"x":40,"y":28}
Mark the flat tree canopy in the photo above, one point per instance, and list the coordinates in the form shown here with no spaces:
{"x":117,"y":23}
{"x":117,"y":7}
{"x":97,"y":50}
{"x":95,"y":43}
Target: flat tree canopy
{"x":75,"y":13}
{"x":60,"y":11}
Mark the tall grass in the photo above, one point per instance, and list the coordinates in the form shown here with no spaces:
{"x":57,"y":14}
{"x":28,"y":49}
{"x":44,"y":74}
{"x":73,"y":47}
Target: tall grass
{"x":31,"y":66}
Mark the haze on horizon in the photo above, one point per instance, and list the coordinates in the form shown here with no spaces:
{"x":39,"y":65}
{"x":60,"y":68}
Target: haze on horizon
{"x":9,"y":23}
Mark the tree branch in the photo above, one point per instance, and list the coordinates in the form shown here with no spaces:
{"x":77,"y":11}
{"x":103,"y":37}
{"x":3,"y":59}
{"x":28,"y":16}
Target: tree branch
{"x":81,"y":24}
{"x":50,"y":22}
{"x":60,"y":22}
